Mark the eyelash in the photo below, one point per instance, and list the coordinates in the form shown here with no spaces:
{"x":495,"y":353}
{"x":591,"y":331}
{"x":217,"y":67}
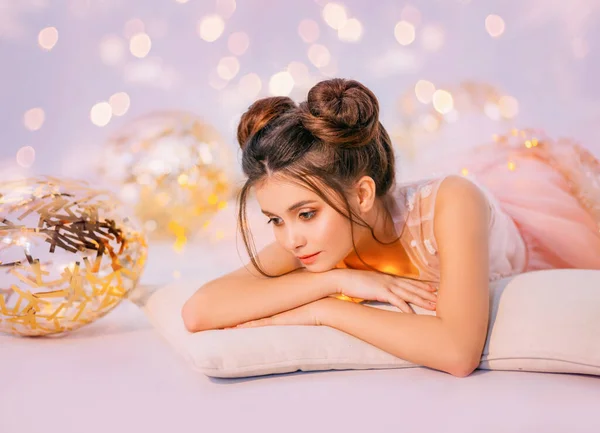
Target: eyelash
{"x":312,"y":214}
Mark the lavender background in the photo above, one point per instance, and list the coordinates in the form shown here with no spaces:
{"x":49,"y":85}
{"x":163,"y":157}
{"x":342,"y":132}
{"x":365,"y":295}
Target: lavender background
{"x":547,"y":58}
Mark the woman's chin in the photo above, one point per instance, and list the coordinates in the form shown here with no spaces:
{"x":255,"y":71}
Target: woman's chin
{"x":319,"y":267}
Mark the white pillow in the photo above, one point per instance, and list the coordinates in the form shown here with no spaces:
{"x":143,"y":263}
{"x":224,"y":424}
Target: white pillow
{"x":544,"y":321}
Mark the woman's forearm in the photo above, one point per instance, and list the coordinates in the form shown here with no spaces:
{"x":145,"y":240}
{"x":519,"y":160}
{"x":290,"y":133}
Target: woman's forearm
{"x":421,"y":339}
{"x":232,"y":300}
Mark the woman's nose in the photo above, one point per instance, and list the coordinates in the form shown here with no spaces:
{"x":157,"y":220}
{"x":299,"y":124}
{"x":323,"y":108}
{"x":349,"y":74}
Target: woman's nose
{"x":294,"y":239}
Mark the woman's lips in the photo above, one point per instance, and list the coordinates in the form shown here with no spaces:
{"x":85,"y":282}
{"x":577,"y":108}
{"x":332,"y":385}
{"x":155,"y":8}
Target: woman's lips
{"x":309,"y":259}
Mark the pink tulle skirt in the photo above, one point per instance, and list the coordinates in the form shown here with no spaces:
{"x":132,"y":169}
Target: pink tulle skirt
{"x":551,"y":189}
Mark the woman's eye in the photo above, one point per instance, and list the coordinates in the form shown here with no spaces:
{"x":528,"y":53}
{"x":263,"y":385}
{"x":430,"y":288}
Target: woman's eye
{"x":275,"y":221}
{"x":308,"y":215}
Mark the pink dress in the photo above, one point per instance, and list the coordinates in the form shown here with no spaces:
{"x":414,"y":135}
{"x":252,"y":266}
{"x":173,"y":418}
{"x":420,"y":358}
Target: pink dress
{"x":545,"y":202}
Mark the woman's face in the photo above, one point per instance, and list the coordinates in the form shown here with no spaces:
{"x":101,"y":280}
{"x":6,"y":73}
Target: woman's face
{"x":304,"y":224}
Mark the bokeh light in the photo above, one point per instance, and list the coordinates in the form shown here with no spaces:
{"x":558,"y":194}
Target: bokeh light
{"x":34,"y":118}
{"x":404,"y":33}
{"x":211,"y":27}
{"x":238,"y":43}
{"x":308,"y":31}
{"x":508,"y":106}
{"x":351,"y":31}
{"x":228,"y":67}
{"x":140,"y":45}
{"x":133,"y":27}
{"x":26,"y":156}
{"x":250,"y":85}
{"x":424,"y":91}
{"x":112,"y":50}
{"x":319,"y":55}
{"x":492,"y":110}
{"x":101,"y":113}
{"x":281,"y":84}
{"x":494,"y":25}
{"x":335,"y":15}
{"x":432,"y":38}
{"x":226,"y":8}
{"x":119,"y":103}
{"x":429,"y":123}
{"x":47,"y":38}
{"x":299,"y":72}
{"x":442,"y":101}
{"x":411,"y":14}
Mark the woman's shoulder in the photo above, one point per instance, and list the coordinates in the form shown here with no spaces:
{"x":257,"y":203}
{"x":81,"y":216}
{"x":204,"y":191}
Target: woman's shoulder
{"x":421,"y":197}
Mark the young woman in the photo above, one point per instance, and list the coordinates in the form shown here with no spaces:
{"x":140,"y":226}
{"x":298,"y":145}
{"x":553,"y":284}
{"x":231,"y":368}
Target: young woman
{"x":323,"y":173}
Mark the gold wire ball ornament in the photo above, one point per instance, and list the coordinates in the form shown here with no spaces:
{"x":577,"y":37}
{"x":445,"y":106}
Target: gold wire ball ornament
{"x":173,"y":169}
{"x":67,"y":255}
{"x":425,"y":109}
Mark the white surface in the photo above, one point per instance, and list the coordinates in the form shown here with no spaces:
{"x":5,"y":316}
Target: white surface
{"x":118,"y":375}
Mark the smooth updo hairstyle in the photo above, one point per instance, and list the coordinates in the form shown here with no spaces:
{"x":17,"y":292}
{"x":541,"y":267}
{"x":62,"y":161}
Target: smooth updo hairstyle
{"x":330,"y":140}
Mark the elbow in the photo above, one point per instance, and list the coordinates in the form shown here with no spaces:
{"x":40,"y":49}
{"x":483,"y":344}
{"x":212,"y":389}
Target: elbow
{"x":192,"y":315}
{"x":463,"y":365}
{"x":462,"y":369}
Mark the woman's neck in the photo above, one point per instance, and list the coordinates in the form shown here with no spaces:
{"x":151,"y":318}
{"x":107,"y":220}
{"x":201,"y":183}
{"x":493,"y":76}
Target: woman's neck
{"x":381,"y":221}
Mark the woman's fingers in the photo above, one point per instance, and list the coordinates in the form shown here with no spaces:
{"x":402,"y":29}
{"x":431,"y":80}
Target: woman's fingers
{"x":421,"y":293}
{"x":398,"y":302}
{"x":415,"y":283}
{"x":413,"y":298}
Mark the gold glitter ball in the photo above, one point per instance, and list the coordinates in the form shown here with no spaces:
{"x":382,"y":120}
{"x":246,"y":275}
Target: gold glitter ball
{"x":173,"y":169}
{"x":68,"y":255}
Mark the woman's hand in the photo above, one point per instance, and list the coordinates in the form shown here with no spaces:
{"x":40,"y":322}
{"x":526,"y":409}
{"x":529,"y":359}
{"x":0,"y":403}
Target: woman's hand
{"x":374,"y":286}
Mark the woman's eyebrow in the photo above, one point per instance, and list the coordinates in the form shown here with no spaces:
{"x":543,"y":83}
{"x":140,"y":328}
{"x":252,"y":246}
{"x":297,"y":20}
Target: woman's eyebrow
{"x":292,"y":207}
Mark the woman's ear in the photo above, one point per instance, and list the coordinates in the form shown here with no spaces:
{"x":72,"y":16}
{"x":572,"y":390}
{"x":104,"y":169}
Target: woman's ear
{"x":366,"y":193}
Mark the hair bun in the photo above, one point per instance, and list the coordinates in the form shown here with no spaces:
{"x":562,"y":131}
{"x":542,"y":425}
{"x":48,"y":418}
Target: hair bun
{"x":260,"y":114}
{"x":341,"y":112}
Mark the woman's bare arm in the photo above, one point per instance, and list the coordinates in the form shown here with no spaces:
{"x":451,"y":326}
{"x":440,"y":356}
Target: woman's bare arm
{"x":245,"y":294}
{"x":454,"y":339}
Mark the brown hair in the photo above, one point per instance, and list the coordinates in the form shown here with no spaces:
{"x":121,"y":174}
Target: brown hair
{"x":331,"y":139}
